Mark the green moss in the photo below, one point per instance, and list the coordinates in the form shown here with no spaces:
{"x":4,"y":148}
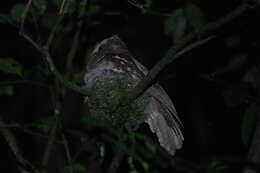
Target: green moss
{"x":104,"y":103}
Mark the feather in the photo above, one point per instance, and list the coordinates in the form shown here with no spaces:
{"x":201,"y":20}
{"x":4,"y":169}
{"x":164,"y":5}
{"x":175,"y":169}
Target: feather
{"x":111,"y":59}
{"x":163,"y":119}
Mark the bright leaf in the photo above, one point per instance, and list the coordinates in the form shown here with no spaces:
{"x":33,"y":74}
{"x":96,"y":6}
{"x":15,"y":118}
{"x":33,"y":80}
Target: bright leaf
{"x":148,"y":3}
{"x":194,"y":15}
{"x":9,"y":65}
{"x":145,"y":165}
{"x":150,"y":146}
{"x":17,"y":11}
{"x":40,"y":5}
{"x":175,"y":25}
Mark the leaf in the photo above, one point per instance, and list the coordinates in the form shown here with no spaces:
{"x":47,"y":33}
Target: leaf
{"x":67,"y":28}
{"x":234,"y":63}
{"x":93,"y":9}
{"x":7,"y":90}
{"x":176,"y":24}
{"x":194,"y":16}
{"x":148,"y":4}
{"x":145,"y":166}
{"x":40,"y":5}
{"x":45,"y":124}
{"x":252,"y":76}
{"x":235,"y":95}
{"x":5,"y":18}
{"x":249,"y":123}
{"x":9,"y":65}
{"x":49,"y":20}
{"x":237,"y":61}
{"x":151,"y":146}
{"x":17,"y":11}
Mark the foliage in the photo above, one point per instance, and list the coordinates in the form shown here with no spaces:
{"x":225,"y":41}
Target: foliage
{"x":225,"y":68}
{"x":9,"y":65}
{"x":177,"y":23}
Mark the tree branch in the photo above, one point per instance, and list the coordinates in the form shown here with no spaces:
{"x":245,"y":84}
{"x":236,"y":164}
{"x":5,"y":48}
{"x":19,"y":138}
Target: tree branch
{"x":67,"y":151}
{"x":253,"y":156}
{"x":75,"y":40}
{"x":56,"y":25}
{"x":115,"y":163}
{"x":27,"y":7}
{"x":24,"y":165}
{"x":53,"y":131}
{"x":45,"y":52}
{"x":171,"y":53}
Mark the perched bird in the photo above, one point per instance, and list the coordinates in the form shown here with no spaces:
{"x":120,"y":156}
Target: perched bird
{"x":110,"y":63}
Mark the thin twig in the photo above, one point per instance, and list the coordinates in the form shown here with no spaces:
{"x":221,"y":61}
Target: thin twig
{"x":27,"y":7}
{"x":24,"y":165}
{"x":30,"y":40}
{"x":45,"y":53}
{"x":22,"y":81}
{"x":67,"y":151}
{"x":49,"y":145}
{"x":21,"y":31}
{"x":253,"y":156}
{"x":53,"y":132}
{"x":119,"y":155}
{"x":75,"y":41}
{"x":53,"y":69}
{"x":115,"y":163}
{"x":147,"y":10}
{"x":56,"y":25}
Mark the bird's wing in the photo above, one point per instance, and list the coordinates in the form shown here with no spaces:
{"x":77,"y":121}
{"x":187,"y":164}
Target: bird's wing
{"x":163,"y":119}
{"x":167,"y":136}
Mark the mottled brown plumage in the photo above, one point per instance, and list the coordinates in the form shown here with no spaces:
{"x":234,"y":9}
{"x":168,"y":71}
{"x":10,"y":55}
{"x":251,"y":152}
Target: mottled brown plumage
{"x":111,"y":60}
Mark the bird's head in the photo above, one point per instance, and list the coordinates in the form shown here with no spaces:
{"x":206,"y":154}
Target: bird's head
{"x":111,"y":45}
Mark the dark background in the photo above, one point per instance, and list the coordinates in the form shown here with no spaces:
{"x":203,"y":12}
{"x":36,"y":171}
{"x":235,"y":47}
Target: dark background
{"x":211,"y":86}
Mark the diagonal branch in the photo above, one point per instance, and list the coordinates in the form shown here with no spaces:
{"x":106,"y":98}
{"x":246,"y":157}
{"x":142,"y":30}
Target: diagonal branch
{"x":76,"y":39}
{"x":45,"y":52}
{"x":53,"y":131}
{"x":24,"y":165}
{"x":116,"y":161}
{"x":171,"y":54}
{"x":27,"y":7}
{"x":57,"y":24}
{"x":67,"y":151}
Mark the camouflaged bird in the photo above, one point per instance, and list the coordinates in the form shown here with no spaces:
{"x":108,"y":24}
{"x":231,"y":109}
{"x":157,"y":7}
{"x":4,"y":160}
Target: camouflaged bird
{"x":111,"y":61}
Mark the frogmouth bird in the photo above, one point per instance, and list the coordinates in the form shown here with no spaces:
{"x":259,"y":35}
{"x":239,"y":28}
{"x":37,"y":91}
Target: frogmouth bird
{"x":112,"y":70}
